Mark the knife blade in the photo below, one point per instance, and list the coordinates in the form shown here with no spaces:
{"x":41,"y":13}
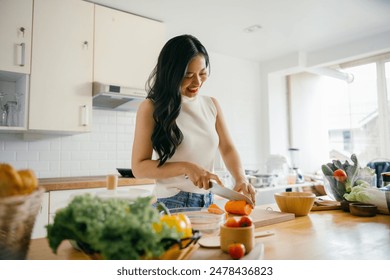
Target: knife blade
{"x":228,"y":193}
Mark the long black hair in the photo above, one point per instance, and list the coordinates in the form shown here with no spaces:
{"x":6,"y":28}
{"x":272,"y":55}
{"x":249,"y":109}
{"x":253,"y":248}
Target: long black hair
{"x":163,"y":87}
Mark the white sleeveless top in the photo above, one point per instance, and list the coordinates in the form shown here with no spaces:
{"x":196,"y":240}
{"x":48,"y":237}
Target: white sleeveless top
{"x":197,"y":121}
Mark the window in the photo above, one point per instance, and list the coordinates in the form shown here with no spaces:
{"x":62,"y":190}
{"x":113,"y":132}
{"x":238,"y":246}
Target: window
{"x":353,"y":116}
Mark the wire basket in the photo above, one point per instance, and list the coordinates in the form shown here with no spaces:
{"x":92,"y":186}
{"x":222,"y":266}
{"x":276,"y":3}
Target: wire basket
{"x":17,"y":219}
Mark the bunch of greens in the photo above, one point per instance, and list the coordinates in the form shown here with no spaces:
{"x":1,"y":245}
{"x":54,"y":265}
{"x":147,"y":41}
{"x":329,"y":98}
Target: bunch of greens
{"x":364,"y":193}
{"x":340,"y":186}
{"x":114,"y":228}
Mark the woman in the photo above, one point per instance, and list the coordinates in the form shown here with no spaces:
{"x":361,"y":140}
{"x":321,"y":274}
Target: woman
{"x":178,"y":132}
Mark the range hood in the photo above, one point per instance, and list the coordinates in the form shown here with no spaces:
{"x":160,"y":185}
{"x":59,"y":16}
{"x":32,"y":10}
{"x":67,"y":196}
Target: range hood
{"x":114,"y":97}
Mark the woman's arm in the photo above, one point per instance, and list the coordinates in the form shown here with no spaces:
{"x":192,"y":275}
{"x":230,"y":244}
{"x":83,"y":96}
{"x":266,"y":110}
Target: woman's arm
{"x":143,"y":166}
{"x":231,"y":157}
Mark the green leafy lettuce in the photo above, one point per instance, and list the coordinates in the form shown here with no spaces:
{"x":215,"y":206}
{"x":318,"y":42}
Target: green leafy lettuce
{"x":114,"y":228}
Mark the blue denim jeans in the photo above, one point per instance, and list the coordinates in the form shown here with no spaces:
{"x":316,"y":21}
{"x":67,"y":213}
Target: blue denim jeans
{"x":187,"y":199}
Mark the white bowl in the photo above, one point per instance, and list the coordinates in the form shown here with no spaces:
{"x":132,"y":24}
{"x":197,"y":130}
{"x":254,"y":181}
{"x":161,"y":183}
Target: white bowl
{"x":207,"y":223}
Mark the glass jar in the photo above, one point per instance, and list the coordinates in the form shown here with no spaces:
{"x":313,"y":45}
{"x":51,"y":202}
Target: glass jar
{"x":12,"y":113}
{"x":3,"y":110}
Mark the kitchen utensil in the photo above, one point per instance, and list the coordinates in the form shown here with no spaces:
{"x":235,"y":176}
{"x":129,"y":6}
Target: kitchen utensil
{"x":228,"y":193}
{"x":214,"y":241}
{"x":263,"y":217}
{"x":299,"y":203}
{"x":294,"y":154}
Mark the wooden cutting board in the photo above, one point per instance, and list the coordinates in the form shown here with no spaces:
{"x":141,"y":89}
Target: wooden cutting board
{"x":262,"y":217}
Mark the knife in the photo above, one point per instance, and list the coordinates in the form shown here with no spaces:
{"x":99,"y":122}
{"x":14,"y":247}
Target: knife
{"x":228,"y":193}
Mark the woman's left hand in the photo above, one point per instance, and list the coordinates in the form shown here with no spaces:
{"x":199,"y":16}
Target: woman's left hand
{"x":246,"y":188}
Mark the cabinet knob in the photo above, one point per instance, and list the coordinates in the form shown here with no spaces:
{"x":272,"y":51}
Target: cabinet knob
{"x":85,"y":44}
{"x":22,"y":30}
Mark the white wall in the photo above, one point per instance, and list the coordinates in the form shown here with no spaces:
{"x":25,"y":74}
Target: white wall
{"x":234,"y":82}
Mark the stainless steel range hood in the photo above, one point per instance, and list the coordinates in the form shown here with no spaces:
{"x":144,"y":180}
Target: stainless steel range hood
{"x":113,"y":97}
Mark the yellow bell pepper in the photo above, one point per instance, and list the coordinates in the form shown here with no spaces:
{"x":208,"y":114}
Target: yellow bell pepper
{"x":179,"y":221}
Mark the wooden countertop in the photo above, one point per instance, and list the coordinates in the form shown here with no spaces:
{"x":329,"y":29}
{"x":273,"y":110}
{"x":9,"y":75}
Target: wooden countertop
{"x":322,"y":235}
{"x":72,"y":183}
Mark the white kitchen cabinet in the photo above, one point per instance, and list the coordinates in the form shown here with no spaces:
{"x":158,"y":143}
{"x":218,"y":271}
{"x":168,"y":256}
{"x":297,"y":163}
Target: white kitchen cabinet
{"x":42,"y":219}
{"x":126,"y":47}
{"x":15,"y":35}
{"x":61,"y":66}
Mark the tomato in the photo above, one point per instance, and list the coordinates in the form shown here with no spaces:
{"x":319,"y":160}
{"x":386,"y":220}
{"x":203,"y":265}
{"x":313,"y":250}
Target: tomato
{"x":236,"y":250}
{"x":340,"y":175}
{"x":232,"y":222}
{"x":245,"y":221}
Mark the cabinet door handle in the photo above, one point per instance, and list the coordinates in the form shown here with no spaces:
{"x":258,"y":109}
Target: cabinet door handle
{"x":21,"y":54}
{"x":84,"y":116}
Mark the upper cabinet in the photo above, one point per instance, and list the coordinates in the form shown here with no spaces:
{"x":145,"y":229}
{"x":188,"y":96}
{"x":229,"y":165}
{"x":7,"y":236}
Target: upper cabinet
{"x":126,"y":47}
{"x":53,"y":50}
{"x":61,"y":66}
{"x":15,"y":35}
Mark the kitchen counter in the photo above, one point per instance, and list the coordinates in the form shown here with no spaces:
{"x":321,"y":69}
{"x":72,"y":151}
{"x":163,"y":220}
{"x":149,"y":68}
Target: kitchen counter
{"x":72,"y":183}
{"x":322,"y":235}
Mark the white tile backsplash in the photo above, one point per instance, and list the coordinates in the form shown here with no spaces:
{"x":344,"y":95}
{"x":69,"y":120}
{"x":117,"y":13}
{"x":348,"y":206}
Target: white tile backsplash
{"x":99,"y":152}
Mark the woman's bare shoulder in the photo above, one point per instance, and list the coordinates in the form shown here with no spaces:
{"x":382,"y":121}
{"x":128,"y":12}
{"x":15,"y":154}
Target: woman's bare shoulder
{"x":146,"y":106}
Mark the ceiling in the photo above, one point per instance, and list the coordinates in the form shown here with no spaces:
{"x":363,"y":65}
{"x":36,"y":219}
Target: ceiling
{"x":286,"y":26}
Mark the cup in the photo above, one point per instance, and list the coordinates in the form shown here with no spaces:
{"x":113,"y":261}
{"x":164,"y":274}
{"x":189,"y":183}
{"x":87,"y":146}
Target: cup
{"x":243,"y":235}
{"x":385,"y":180}
{"x":111,"y":181}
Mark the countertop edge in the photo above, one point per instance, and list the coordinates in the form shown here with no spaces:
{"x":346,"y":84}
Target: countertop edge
{"x":74,"y":183}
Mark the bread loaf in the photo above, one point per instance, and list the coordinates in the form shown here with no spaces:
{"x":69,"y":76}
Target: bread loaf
{"x":13,"y":182}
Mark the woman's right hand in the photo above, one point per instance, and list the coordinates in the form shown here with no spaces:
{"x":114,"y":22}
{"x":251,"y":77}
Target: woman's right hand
{"x":200,"y":177}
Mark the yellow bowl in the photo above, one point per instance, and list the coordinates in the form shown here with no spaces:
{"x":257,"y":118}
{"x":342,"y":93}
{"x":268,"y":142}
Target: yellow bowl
{"x":299,"y":203}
